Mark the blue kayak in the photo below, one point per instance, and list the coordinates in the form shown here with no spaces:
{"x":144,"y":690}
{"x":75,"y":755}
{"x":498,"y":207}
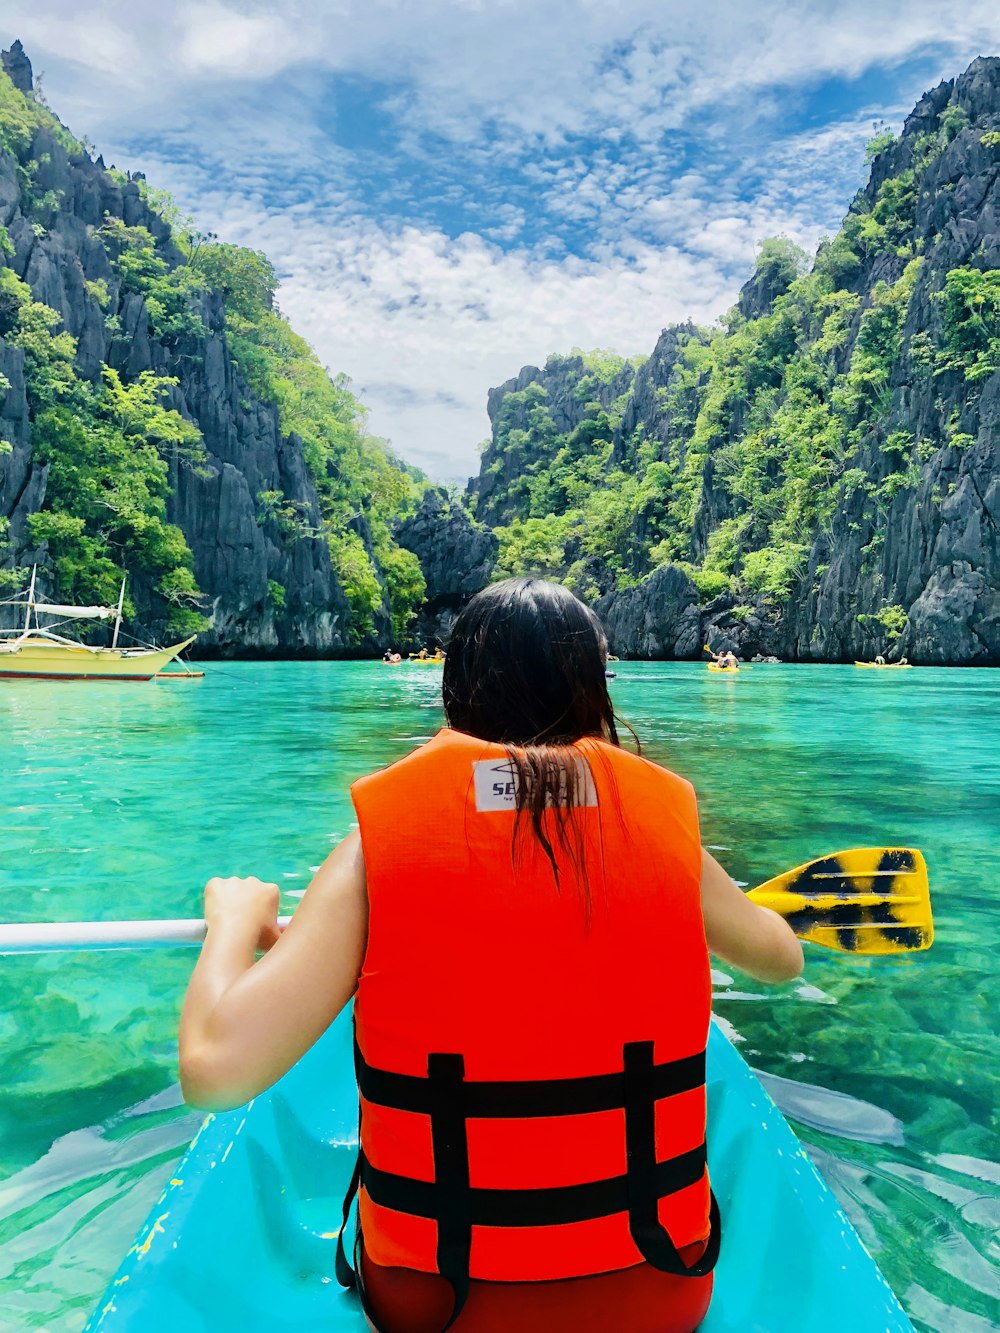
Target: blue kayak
{"x":244,"y":1235}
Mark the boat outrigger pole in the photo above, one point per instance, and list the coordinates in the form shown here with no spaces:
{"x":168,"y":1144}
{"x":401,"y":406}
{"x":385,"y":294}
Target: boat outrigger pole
{"x":31,"y":600}
{"x":118,"y":614}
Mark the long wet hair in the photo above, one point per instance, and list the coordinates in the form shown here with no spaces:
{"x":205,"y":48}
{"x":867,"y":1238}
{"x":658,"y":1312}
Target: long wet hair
{"x":525,"y":669}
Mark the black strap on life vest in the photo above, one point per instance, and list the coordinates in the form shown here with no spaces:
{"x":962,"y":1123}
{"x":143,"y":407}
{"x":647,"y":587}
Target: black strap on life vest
{"x":456,"y":1207}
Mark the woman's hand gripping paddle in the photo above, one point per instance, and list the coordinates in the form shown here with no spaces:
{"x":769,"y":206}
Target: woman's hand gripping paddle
{"x":871,"y":900}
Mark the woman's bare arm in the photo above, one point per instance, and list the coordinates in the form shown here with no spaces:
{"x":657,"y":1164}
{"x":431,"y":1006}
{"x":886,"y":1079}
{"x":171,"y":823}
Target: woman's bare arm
{"x":244,"y":1024}
{"x":752,"y":938}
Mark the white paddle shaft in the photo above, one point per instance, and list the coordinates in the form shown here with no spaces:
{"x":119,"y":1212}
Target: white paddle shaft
{"x":52,"y":937}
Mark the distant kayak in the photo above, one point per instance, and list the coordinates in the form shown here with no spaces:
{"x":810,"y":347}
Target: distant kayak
{"x":885,"y":666}
{"x":243,"y":1237}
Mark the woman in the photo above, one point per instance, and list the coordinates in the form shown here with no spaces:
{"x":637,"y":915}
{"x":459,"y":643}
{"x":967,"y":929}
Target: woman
{"x":531,"y":1031}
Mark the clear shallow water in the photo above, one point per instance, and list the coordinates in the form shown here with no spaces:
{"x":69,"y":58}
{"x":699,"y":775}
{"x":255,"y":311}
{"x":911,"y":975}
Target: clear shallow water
{"x":120,"y":801}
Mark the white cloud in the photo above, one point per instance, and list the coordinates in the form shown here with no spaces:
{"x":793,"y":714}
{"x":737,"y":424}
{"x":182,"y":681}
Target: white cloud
{"x":426,"y":323}
{"x":563,"y":133}
{"x":71,"y":36}
{"x":219,"y":40}
{"x":539,"y":67}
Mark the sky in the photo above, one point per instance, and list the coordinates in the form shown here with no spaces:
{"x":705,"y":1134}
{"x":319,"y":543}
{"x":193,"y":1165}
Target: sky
{"x":452,"y":189}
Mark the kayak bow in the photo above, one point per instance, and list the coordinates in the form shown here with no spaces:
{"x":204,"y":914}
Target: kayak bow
{"x":243,"y":1238}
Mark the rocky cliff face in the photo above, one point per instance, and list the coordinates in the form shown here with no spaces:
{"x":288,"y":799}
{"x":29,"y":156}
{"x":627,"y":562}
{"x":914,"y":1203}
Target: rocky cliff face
{"x":660,"y":405}
{"x":241,"y":554}
{"x":939,"y":555}
{"x":530,"y":416}
{"x":826,"y":470}
{"x":659,"y":618}
{"x":456,"y":555}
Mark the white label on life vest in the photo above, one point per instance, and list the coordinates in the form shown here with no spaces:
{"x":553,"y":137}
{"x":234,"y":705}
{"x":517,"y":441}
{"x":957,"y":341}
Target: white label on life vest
{"x":496,"y":785}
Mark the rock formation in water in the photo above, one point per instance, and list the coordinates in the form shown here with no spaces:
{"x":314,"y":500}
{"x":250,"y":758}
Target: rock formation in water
{"x":457,"y":557}
{"x":252,"y":501}
{"x":820,"y":477}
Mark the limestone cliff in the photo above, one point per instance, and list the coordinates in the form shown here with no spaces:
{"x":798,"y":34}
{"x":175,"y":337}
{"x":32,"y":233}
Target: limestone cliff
{"x":456,"y":555}
{"x":531,"y":415}
{"x":248,"y":507}
{"x":821,"y":474}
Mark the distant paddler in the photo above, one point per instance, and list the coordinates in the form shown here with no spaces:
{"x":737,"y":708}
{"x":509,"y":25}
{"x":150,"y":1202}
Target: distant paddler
{"x":724,"y":660}
{"x":880,"y":664}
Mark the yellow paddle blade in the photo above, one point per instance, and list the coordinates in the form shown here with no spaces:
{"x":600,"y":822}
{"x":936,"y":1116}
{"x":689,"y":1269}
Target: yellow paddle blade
{"x":872,"y":900}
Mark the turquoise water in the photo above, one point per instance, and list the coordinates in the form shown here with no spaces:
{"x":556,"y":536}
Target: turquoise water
{"x":119,"y":801}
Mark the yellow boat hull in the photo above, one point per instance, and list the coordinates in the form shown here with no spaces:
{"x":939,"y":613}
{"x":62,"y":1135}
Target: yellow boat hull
{"x":886,"y":666}
{"x":724,"y":671}
{"x":44,"y":660}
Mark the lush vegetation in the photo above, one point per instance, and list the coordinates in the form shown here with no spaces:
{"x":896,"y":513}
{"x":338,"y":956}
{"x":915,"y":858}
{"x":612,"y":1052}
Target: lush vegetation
{"x":971,"y":300}
{"x":361,"y":485}
{"x":108,"y":447}
{"x":109,"y":444}
{"x":729,"y":456}
{"x":169,"y":293}
{"x":763,"y":427}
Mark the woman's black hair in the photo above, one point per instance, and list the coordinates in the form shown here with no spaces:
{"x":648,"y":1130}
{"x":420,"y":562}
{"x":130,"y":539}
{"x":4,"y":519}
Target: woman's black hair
{"x":525,"y":668}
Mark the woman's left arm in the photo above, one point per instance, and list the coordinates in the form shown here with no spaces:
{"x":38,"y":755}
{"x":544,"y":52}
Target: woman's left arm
{"x":245,"y":1023}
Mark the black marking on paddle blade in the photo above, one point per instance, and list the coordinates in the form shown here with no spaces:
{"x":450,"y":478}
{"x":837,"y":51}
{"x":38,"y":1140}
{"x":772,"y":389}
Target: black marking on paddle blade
{"x":807,"y":883}
{"x":898,"y":859}
{"x":907,"y":937}
{"x":841,"y":917}
{"x":883,"y":914}
{"x":849,"y":920}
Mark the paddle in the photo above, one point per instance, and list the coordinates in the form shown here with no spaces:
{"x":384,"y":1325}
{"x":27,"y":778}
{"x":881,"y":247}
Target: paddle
{"x":873,"y":900}
{"x":57,"y":936}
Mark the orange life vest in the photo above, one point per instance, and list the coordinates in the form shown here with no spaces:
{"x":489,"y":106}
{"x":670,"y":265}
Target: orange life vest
{"x":531,"y":1072}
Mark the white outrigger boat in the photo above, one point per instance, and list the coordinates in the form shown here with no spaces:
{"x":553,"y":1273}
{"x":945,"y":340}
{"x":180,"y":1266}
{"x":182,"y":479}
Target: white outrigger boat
{"x":34,"y":650}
